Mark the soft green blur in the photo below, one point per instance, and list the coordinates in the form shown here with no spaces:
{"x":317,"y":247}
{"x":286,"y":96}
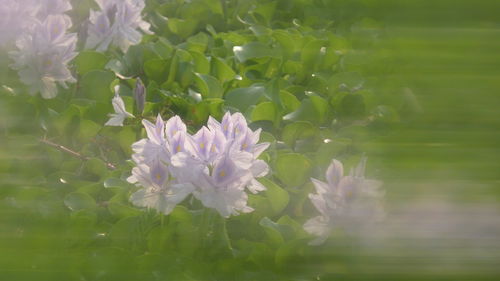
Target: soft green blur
{"x":440,"y":167}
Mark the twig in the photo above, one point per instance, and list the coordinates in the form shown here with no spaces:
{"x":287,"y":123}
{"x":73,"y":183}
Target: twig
{"x":72,"y":152}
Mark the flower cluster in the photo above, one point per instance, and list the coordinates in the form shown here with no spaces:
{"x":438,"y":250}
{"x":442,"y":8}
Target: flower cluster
{"x":116,"y":24}
{"x":39,"y":27}
{"x":44,"y":51}
{"x":217,"y":164}
{"x":344,"y":200}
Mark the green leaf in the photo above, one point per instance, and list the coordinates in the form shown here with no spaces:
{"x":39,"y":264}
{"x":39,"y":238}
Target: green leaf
{"x":199,"y":112}
{"x":320,"y":106}
{"x":311,"y":53}
{"x":267,"y":137}
{"x":254,"y":50}
{"x":266,"y":10}
{"x":87,"y":61}
{"x":298,"y":228}
{"x":264,"y":111}
{"x":273,"y":93}
{"x":313,"y":109}
{"x":298,"y":130}
{"x":338,"y":43}
{"x":65,"y":122}
{"x":272,"y":232}
{"x":183,"y":56}
{"x":121,"y":210}
{"x":222,"y":71}
{"x":208,"y":85}
{"x":292,"y":67}
{"x":158,"y":239}
{"x":293,"y":169}
{"x":306,"y":112}
{"x":88,"y":130}
{"x":278,"y":197}
{"x":126,"y":137}
{"x":243,"y":98}
{"x":286,"y":41}
{"x":116,"y":183}
{"x":260,"y":30}
{"x":181,"y":214}
{"x":127,"y":232}
{"x":95,"y":167}
{"x":156,"y":69}
{"x":200,"y":62}
{"x":352,"y":106}
{"x":290,"y":101}
{"x":288,"y":251}
{"x":182,"y":27}
{"x":187,"y":238}
{"x":79,"y":201}
{"x":329,"y":59}
{"x":198,"y":42}
{"x":133,"y":61}
{"x":345,"y":81}
{"x":163,"y":48}
{"x":95,"y":85}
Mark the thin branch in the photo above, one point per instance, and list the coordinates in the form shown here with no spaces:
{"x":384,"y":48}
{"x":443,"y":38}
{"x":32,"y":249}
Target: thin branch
{"x":72,"y":152}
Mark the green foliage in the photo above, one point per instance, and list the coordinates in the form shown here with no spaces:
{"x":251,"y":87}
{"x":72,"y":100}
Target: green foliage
{"x":89,"y":60}
{"x":77,"y":201}
{"x":293,"y":169}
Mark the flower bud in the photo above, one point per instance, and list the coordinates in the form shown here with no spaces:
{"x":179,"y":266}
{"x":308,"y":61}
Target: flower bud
{"x":139,"y":95}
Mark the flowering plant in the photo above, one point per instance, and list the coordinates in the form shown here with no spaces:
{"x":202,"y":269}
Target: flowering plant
{"x":187,"y":140}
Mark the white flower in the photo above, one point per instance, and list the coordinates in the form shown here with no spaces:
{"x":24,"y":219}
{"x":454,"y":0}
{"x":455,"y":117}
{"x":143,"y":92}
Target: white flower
{"x":117,"y":23}
{"x":121,"y":113}
{"x":43,"y":55}
{"x":343,"y":201}
{"x":158,"y":190}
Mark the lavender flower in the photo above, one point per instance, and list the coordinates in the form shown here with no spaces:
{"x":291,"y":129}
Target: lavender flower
{"x":117,"y":23}
{"x":43,"y":55}
{"x":153,"y":149}
{"x":221,"y":184}
{"x":158,"y":190}
{"x":343,"y":201}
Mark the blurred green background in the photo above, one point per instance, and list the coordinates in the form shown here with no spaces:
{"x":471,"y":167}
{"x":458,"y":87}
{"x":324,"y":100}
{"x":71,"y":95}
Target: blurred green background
{"x":441,"y":170}
{"x":441,"y":167}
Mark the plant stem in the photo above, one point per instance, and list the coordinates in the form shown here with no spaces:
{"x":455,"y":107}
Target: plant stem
{"x":72,"y":152}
